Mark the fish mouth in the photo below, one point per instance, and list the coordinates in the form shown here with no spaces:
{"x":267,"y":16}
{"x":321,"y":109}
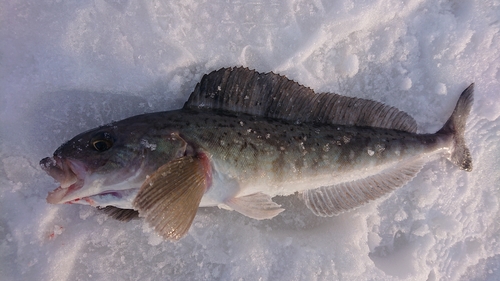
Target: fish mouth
{"x":69,"y":173}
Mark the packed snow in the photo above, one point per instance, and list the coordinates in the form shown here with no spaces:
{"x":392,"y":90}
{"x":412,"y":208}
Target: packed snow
{"x":69,"y":66}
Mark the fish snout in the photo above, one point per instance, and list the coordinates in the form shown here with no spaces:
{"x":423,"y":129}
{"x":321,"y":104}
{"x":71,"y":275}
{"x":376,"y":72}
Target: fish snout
{"x":53,"y":167}
{"x":67,"y":173}
{"x":47,"y":162}
{"x":59,"y":169}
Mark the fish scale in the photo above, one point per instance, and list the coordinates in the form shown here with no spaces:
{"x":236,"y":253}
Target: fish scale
{"x":293,"y":154}
{"x":242,"y":138}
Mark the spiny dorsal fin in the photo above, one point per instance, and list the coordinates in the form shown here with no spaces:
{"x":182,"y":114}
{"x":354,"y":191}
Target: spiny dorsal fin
{"x":327,"y":201}
{"x":169,"y":198}
{"x":274,"y":96}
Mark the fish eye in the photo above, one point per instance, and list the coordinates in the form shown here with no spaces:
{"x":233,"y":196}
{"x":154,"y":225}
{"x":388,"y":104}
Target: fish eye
{"x":102,"y":142}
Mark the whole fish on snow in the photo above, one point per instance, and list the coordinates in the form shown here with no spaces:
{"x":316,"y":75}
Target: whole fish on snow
{"x":242,"y":138}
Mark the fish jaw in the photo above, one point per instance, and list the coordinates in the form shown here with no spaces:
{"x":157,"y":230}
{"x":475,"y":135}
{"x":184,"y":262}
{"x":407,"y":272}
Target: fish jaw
{"x":78,"y":185}
{"x":66,"y":172}
{"x":58,"y":195}
{"x":69,"y":173}
{"x":120,"y":198}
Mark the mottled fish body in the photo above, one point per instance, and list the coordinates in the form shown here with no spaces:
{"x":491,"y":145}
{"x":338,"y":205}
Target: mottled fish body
{"x":280,"y":158}
{"x":242,"y":138}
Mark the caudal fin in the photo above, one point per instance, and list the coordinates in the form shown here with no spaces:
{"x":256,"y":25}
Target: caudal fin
{"x":455,"y":126}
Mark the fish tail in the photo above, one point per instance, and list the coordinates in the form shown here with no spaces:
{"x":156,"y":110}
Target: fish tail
{"x":455,"y":126}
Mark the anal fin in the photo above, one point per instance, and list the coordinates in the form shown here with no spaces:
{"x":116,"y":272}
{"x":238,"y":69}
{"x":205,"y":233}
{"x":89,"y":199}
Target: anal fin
{"x":327,"y":201}
{"x":257,"y":206}
{"x":169,"y":198}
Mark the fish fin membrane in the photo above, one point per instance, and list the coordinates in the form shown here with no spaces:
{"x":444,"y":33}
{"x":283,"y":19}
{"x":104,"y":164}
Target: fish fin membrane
{"x":332,"y":200}
{"x":256,"y":206}
{"x":242,"y":90}
{"x":460,"y":154}
{"x":120,"y":214}
{"x":169,"y":198}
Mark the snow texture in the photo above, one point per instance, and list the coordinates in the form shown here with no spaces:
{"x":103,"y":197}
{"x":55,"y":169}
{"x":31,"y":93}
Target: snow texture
{"x":68,"y":66}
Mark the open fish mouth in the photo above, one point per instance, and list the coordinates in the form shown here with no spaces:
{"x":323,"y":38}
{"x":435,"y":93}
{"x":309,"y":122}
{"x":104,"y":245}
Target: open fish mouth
{"x":69,"y":173}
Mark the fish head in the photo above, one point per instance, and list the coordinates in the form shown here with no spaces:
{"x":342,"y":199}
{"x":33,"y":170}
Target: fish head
{"x":106,"y":166}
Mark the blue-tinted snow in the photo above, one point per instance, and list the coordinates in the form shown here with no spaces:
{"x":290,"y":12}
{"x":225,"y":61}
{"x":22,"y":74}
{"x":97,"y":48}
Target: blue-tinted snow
{"x":68,"y":66}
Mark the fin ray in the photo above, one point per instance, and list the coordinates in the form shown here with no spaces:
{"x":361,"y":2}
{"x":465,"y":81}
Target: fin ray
{"x":327,"y":201}
{"x":460,"y":155}
{"x":169,"y":198}
{"x":271,"y":95}
{"x":257,"y":206}
{"x":120,"y":214}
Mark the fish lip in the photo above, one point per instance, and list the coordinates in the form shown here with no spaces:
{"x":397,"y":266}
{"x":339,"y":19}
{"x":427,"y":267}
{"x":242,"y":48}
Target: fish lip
{"x":70,"y":173}
{"x":57,"y":195}
{"x":95,"y":199}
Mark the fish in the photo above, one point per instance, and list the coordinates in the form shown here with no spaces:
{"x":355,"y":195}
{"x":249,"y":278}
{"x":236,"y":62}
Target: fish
{"x":242,"y":138}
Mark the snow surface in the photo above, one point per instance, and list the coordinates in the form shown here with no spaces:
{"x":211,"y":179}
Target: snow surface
{"x":68,"y":66}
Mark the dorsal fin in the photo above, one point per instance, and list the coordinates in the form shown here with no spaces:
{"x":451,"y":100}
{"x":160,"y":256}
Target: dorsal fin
{"x":275,"y":96}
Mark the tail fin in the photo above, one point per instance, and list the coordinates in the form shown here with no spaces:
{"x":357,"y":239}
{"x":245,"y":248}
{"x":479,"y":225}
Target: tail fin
{"x":455,"y":126}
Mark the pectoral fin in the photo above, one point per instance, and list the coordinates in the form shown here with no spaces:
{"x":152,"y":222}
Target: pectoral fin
{"x":256,"y":206}
{"x":169,"y":198}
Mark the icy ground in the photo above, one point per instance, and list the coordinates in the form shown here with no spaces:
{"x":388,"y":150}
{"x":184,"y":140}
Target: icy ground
{"x":68,"y":66}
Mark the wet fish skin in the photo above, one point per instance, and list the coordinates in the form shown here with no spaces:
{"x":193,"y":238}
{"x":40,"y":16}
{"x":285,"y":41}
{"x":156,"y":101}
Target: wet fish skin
{"x":137,"y":152}
{"x":242,"y":138}
{"x":252,"y":149}
{"x":283,"y":156}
